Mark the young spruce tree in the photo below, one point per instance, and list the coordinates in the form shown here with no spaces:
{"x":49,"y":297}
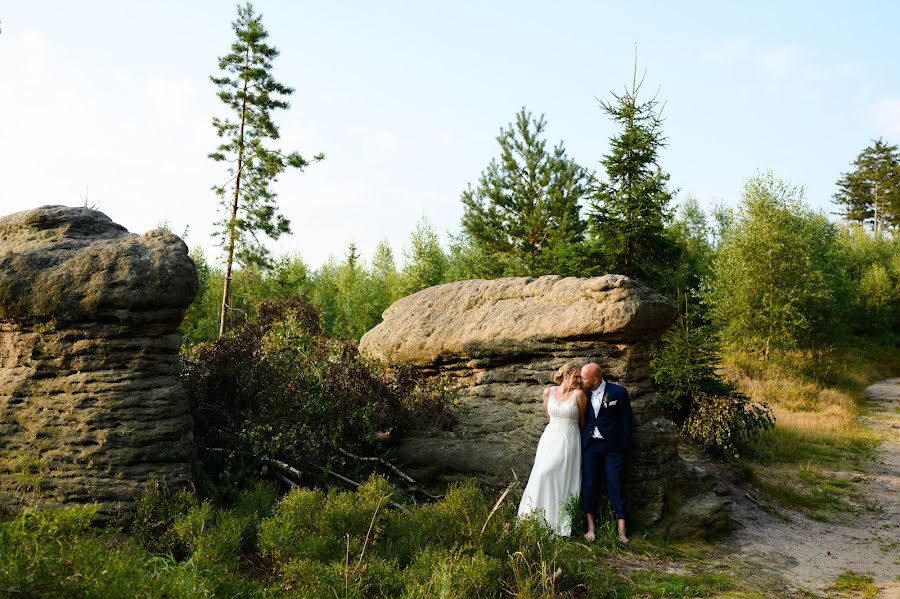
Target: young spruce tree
{"x":248,"y":89}
{"x":525,"y":211}
{"x":629,"y":211}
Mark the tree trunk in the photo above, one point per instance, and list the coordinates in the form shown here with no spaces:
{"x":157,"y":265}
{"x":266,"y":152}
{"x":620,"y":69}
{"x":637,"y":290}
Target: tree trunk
{"x":234,"y":204}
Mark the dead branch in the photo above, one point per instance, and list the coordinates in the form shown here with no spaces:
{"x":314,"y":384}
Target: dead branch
{"x":396,"y":470}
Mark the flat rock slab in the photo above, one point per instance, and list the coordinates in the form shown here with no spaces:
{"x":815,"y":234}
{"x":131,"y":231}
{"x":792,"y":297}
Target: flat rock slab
{"x":501,"y":341}
{"x":91,"y":406}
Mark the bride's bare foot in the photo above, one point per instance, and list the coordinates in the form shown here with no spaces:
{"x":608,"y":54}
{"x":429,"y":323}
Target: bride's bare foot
{"x":623,"y":539}
{"x":589,"y":536}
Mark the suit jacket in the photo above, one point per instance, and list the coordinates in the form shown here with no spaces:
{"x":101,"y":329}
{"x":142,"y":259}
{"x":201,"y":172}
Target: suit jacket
{"x":613,"y":420}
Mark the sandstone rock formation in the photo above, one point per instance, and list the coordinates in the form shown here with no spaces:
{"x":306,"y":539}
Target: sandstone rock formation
{"x":91,"y":405}
{"x":502,"y":340}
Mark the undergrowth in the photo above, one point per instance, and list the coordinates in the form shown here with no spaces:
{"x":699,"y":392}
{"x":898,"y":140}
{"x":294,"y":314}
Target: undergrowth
{"x":328,"y":543}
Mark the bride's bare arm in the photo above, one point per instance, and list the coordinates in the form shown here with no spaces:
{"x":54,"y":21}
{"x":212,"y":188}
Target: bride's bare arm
{"x":581,"y":398}
{"x":545,"y":399}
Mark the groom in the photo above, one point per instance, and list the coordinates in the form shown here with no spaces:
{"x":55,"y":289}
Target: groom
{"x":605,"y":439}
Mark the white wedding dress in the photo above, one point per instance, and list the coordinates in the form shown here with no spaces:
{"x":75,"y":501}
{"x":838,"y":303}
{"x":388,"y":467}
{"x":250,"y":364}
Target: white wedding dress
{"x":556,"y":475}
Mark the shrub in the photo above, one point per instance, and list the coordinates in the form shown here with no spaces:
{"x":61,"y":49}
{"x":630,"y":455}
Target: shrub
{"x":776,"y":280}
{"x":709,"y":409}
{"x":154,"y":515}
{"x":279,"y":388}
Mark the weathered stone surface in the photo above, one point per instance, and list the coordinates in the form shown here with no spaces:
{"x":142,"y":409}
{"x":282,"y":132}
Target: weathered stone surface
{"x":91,"y":406}
{"x":503,"y":340}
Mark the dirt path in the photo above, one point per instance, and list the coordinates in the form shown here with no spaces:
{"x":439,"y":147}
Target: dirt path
{"x":803,"y":554}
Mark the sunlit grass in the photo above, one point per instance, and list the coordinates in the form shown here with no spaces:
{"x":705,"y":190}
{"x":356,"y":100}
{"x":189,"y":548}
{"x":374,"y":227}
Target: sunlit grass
{"x":852,"y":584}
{"x":817,"y":398}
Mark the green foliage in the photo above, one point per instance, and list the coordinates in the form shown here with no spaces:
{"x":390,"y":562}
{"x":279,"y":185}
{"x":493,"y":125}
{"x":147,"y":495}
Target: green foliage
{"x":709,"y":409}
{"x":279,"y":388}
{"x":692,"y":233}
{"x":776,"y":278}
{"x":851,"y":583}
{"x":425,"y":261}
{"x":154,"y":515}
{"x":630,"y":210}
{"x":525,"y":212}
{"x":870,"y":193}
{"x":873,"y":275}
{"x":727,"y":422}
{"x":313,"y":543}
{"x":57,"y":554}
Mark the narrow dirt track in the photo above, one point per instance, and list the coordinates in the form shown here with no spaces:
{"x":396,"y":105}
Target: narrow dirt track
{"x":803,"y":554}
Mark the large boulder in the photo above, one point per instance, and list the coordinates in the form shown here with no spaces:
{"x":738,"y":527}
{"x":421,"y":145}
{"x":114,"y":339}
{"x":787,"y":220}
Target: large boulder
{"x":91,"y":405}
{"x":501,"y":341}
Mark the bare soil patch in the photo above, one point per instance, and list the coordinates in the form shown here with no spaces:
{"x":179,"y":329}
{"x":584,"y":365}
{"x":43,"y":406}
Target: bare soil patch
{"x":797,"y":554}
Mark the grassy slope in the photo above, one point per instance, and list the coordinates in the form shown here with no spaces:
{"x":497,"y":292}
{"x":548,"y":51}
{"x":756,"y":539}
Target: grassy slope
{"x":812,"y":460}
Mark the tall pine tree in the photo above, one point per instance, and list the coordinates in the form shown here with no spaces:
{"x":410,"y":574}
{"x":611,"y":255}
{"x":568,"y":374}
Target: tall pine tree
{"x":250,"y":93}
{"x":870,"y":193}
{"x":525,"y":211}
{"x":630,"y":210}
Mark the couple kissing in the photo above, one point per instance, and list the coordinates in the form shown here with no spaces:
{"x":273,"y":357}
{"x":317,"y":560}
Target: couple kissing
{"x":584,"y":443}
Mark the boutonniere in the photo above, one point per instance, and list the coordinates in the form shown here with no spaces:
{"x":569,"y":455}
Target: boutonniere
{"x":605,"y":400}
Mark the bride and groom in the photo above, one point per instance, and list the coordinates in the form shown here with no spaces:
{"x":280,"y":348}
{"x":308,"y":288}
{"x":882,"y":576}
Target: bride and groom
{"x":589,"y":432}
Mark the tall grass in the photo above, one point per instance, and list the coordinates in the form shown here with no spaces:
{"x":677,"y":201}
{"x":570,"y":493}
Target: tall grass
{"x":817,"y":398}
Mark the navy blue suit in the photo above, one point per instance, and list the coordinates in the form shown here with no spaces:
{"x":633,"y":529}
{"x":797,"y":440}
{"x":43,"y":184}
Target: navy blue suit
{"x":613,"y":420}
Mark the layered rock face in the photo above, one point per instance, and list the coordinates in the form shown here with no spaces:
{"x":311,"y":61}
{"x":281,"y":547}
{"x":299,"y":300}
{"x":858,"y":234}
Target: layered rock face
{"x":502,"y":340}
{"x":91,"y":406}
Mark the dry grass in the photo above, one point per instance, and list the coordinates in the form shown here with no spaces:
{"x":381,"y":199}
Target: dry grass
{"x":816,"y":398}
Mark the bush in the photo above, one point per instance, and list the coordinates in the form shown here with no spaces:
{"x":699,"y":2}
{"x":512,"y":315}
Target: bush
{"x":279,"y":388}
{"x":777,"y":277}
{"x":709,"y":409}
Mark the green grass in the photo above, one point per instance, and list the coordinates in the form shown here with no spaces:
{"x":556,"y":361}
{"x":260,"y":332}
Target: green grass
{"x":658,"y":585}
{"x":851,"y":583}
{"x":335,"y":543}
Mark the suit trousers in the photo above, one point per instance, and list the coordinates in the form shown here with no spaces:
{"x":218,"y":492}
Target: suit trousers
{"x":595,"y":457}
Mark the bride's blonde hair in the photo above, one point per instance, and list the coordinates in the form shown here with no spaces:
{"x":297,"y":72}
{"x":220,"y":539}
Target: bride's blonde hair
{"x":565,"y":370}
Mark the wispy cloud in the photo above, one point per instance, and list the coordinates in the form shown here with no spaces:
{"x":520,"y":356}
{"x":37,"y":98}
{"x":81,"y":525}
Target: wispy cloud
{"x":780,"y":61}
{"x":887,"y":114}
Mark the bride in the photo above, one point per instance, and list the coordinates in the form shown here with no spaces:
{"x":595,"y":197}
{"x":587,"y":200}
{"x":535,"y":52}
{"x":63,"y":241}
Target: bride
{"x":556,"y":475}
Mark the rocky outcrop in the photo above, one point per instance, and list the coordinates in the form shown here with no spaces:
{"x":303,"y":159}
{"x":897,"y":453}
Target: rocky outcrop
{"x":502,"y":340}
{"x":91,"y":406}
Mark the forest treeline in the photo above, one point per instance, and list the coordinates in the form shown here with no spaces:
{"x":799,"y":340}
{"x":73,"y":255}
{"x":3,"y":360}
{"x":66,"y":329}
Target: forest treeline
{"x":767,"y":275}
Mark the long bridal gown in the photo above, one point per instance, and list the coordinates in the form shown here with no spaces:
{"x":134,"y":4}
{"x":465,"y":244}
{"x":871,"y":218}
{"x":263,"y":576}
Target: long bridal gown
{"x":556,"y":474}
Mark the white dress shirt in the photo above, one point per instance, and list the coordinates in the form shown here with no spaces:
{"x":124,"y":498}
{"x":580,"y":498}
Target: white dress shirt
{"x":596,"y":399}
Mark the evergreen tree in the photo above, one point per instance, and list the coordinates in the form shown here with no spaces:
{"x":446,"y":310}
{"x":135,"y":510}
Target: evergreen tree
{"x":870,"y":193}
{"x":385,"y":278}
{"x":250,"y":92}
{"x":425,"y":261}
{"x":630,"y":210}
{"x":525,"y":210}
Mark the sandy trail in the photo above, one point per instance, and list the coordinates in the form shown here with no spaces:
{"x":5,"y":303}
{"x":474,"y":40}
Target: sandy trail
{"x":804,"y":554}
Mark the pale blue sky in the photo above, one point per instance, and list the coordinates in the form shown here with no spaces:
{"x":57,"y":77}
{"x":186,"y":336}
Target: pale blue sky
{"x":113,"y":99}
